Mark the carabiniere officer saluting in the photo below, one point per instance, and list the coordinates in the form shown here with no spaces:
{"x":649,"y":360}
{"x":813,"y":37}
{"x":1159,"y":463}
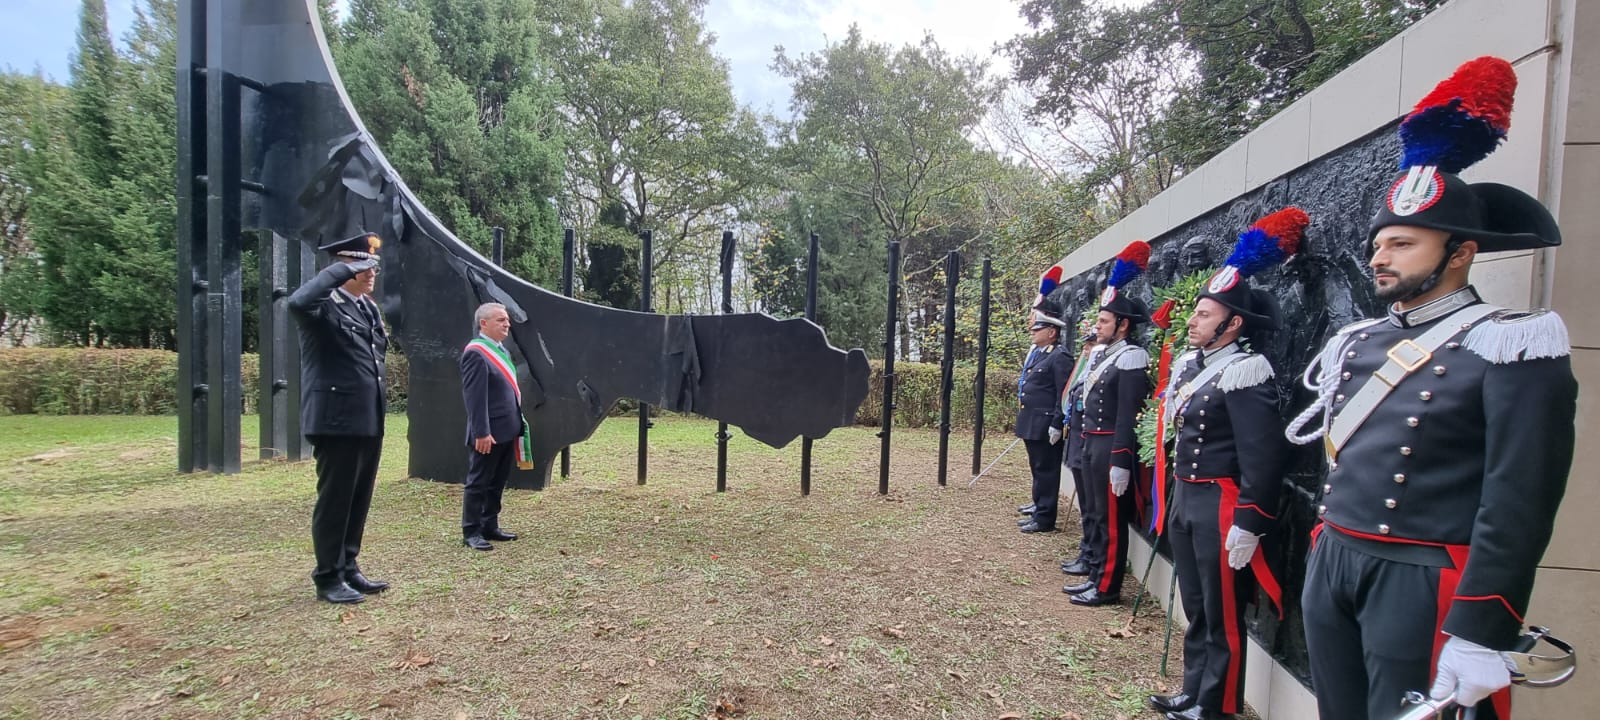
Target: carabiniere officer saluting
{"x":1228,"y":465}
{"x":1448,"y":432}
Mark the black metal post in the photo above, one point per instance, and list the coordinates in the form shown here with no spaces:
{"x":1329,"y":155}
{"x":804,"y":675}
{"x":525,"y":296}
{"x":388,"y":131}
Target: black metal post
{"x":645,"y":268}
{"x":271,"y":400}
{"x":811,"y":314}
{"x":499,"y":247}
{"x":888,"y":368}
{"x":225,"y":287}
{"x":568,"y":260}
{"x":980,"y":383}
{"x":191,"y":241}
{"x":302,"y":266}
{"x":727,"y":309}
{"x":947,"y":363}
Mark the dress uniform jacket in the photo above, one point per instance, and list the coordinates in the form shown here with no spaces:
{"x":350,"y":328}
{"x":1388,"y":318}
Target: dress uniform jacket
{"x":1438,"y":506}
{"x":1113,"y":398}
{"x":1230,"y":429}
{"x":1468,"y":454}
{"x":1043,"y":380}
{"x":342,"y":346}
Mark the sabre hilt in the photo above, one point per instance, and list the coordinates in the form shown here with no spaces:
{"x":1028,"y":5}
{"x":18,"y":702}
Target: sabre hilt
{"x":1532,"y":670}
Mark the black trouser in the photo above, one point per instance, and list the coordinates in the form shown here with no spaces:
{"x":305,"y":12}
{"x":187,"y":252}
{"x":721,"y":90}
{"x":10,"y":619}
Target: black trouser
{"x":1083,"y":520}
{"x":1044,"y":459}
{"x":1371,"y":628}
{"x":1108,"y":515}
{"x":1214,"y":596}
{"x":347,"y":470}
{"x":486,"y":483}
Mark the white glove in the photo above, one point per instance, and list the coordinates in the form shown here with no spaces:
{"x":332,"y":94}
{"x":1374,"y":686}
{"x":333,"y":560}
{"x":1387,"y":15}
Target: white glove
{"x":1055,"y":435}
{"x":1469,"y":671}
{"x":363,"y":265}
{"x":1119,"y":480}
{"x":1241,"y":546}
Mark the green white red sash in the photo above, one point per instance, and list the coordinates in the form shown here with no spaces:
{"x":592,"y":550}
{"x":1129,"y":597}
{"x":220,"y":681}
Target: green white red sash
{"x":501,"y":361}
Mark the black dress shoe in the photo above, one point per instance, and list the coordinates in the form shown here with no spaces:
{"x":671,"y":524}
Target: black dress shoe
{"x":1027,"y":509}
{"x":1082,"y":587}
{"x":1033,"y":527}
{"x":1196,"y":713}
{"x":499,"y":535}
{"x":1172,"y":703}
{"x":1076,"y":567}
{"x":361,"y":584}
{"x":1093,"y":597}
{"x":339,"y":592}
{"x":476,"y":542}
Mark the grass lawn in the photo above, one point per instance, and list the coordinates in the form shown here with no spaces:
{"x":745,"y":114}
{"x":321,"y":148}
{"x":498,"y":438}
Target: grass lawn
{"x":128,"y":590}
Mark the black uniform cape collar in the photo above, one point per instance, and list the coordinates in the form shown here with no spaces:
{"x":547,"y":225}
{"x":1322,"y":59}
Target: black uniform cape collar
{"x":1433,"y":310}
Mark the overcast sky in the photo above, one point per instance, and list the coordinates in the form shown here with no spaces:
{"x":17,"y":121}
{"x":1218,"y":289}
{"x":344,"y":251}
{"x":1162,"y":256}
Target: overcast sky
{"x":39,"y":34}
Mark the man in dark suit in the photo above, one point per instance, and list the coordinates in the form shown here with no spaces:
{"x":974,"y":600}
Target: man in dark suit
{"x":342,"y":344}
{"x":497,"y":434}
{"x":1045,"y":374}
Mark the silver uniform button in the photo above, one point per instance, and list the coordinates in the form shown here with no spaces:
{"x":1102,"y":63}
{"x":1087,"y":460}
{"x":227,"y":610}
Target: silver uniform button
{"x":1327,"y":488}
{"x":1322,"y":509}
{"x":1197,"y":451}
{"x":1202,"y":413}
{"x":1452,"y":346}
{"x":1383,"y":529}
{"x":1332,"y":465}
{"x":1438,"y":369}
{"x":1390,"y":503}
{"x":1363,"y":336}
{"x":1405,"y":450}
{"x":1400,"y":478}
{"x":1425,"y":395}
{"x":1202,"y":426}
{"x":1194,"y":465}
{"x":1339,"y":397}
{"x":1413,"y":422}
{"x":1345,"y":375}
{"x":1350,"y":355}
{"x":1206,"y":398}
{"x":1199,"y":440}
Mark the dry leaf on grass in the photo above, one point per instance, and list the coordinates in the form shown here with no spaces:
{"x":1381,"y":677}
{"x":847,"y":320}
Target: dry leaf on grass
{"x":1126,"y":631}
{"x":728,"y":706}
{"x":895,"y":632}
{"x":346,"y":617}
{"x":825,"y":640}
{"x":1013,"y":715}
{"x":413,"y":660}
{"x":500,"y":638}
{"x":957,"y":674}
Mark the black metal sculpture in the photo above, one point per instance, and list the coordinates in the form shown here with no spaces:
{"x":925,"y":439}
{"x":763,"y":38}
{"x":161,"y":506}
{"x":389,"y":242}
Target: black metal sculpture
{"x":314,"y":173}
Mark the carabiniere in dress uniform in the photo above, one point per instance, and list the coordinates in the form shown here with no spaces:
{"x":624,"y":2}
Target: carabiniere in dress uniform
{"x":1448,"y":429}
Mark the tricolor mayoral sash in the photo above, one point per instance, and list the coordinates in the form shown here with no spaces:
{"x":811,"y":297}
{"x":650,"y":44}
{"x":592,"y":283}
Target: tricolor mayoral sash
{"x":499,"y":360}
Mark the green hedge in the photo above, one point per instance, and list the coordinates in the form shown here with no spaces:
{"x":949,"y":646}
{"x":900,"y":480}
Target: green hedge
{"x":916,"y":397}
{"x":83,"y":381}
{"x":79,"y":381}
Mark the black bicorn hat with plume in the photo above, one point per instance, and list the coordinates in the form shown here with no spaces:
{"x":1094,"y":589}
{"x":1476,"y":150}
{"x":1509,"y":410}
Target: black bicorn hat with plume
{"x":1459,"y":123}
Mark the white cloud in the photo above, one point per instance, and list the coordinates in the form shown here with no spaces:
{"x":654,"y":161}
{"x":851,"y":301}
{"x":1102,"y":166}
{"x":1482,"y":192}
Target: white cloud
{"x":747,"y":31}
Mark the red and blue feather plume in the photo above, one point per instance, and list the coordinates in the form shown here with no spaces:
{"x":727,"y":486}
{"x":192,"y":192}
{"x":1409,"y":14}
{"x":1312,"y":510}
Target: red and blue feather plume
{"x":1463,"y":119}
{"x":1269,"y":242}
{"x":1130,"y":263}
{"x":1049,"y":280}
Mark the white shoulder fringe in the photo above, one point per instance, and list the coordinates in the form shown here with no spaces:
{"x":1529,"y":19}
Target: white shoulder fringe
{"x":1510,"y":336}
{"x":1249,"y":372}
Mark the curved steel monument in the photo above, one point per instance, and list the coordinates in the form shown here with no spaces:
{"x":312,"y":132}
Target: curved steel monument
{"x":268,"y":140}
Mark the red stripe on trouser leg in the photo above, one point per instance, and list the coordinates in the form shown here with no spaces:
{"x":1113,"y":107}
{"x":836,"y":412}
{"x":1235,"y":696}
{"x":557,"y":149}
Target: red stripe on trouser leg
{"x":1449,"y":580}
{"x":1113,"y":540}
{"x":1230,"y":601}
{"x":1258,"y":562}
